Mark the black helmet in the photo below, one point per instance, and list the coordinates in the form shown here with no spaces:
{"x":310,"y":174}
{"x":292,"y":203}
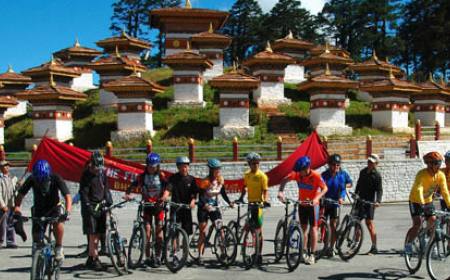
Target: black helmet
{"x":97,"y":159}
{"x":335,"y":158}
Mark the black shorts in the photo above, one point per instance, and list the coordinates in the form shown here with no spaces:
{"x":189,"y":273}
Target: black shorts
{"x":256,"y":216}
{"x":417,"y":209}
{"x":309,"y":215}
{"x":84,"y":218}
{"x":203,"y":215}
{"x":331,"y":211}
{"x":153,"y":212}
{"x":96,"y":225}
{"x":365,"y":211}
{"x":444,"y":206}
{"x":184,"y":217}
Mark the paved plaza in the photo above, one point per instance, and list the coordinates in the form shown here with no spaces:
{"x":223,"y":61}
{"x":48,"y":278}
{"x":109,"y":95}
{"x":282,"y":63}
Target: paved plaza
{"x":392,"y":221}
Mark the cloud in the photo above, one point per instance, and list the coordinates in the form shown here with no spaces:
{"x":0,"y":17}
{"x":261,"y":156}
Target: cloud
{"x":314,"y":6}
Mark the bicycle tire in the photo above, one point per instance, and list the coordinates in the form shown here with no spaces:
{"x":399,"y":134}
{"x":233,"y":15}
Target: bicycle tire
{"x":117,"y":252}
{"x":194,"y":253}
{"x":136,"y":247}
{"x":324,"y":238}
{"x":279,"y":241}
{"x":233,"y":226}
{"x":413,"y":268}
{"x":249,"y":260}
{"x":294,"y":247}
{"x":229,"y":242}
{"x":175,"y":264}
{"x":348,"y":237}
{"x":438,"y":253}
{"x":38,"y":267}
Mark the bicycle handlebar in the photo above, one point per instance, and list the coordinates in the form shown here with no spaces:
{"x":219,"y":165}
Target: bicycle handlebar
{"x":358,"y":198}
{"x":178,"y":205}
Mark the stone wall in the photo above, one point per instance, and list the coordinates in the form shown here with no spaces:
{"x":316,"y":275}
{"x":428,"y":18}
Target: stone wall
{"x":398,"y":177}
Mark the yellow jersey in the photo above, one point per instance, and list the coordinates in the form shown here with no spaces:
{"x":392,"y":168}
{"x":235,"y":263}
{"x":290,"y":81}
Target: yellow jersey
{"x":256,"y":183}
{"x":426,"y":185}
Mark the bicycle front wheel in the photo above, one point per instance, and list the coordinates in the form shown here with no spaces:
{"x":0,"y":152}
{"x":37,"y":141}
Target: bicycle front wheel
{"x":279,"y":242}
{"x":250,"y":248}
{"x":294,"y":246}
{"x":117,"y":252}
{"x":176,"y":249}
{"x":194,"y":253}
{"x":413,"y":259}
{"x":225,"y":246}
{"x":324,"y":238}
{"x":350,"y":241}
{"x":136,"y":247}
{"x":438,"y":259}
{"x":38,"y":266}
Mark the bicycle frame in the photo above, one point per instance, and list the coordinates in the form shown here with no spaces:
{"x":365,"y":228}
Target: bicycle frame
{"x":238,"y":220}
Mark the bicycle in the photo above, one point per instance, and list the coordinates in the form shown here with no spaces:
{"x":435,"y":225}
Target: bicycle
{"x":438,"y":251}
{"x":225,"y":242}
{"x":288,"y":229}
{"x":175,"y":240}
{"x":115,"y":243}
{"x":350,"y":233}
{"x":235,"y":225}
{"x":44,"y":264}
{"x":324,"y":229}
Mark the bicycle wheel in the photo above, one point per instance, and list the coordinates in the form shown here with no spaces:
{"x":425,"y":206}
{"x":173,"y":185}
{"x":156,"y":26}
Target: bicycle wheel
{"x":350,"y":240}
{"x":250,"y":248}
{"x":176,"y":249}
{"x":438,"y":259}
{"x":324,"y":238}
{"x":38,"y":266}
{"x":294,"y":246}
{"x":56,"y":269}
{"x":233,"y":226}
{"x":194,"y":253}
{"x":136,"y":247}
{"x":413,"y":259}
{"x":279,"y":242}
{"x":117,"y":252}
{"x":225,"y":246}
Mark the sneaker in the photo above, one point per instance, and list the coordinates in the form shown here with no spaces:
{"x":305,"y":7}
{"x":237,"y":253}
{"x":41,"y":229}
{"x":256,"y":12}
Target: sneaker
{"x":103,"y":252}
{"x":97,"y":265}
{"x":148,"y":262}
{"x":373,"y":250}
{"x":157,"y":261}
{"x":408,"y":248}
{"x":59,"y":253}
{"x":11,"y":246}
{"x":89,"y":262}
{"x":311,"y":260}
{"x":305,"y":257}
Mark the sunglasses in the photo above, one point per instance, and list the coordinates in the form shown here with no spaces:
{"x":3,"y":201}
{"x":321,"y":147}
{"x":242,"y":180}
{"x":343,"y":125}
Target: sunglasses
{"x":434,"y":162}
{"x":253,"y":163}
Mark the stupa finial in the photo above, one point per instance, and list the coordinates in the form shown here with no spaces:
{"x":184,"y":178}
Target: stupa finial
{"x":327,"y":47}
{"x":290,"y":35}
{"x":117,"y":51}
{"x":52,"y":81}
{"x":374,"y":54}
{"x":327,"y":70}
{"x":188,"y":46}
{"x":123,"y":33}
{"x":52,"y":60}
{"x":211,"y":28}
{"x":188,"y":4}
{"x":77,"y":43}
{"x":391,"y":73}
{"x":430,"y":77}
{"x":269,"y":47}
{"x":10,"y":69}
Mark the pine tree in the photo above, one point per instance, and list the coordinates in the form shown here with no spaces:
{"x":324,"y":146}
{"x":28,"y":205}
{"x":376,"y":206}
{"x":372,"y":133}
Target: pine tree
{"x":243,"y":25}
{"x":130,"y":16}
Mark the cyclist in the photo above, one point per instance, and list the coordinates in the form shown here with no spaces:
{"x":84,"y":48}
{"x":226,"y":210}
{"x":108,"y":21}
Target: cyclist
{"x":311,"y":188}
{"x":337,"y":181}
{"x":152,"y":185}
{"x":256,"y":184}
{"x":94,"y":193}
{"x":446,"y":171}
{"x":46,"y":186}
{"x":428,"y":181}
{"x":209,"y":191}
{"x":183,"y":189}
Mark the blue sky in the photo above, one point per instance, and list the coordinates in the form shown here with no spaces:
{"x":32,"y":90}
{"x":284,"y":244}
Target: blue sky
{"x":32,"y":29}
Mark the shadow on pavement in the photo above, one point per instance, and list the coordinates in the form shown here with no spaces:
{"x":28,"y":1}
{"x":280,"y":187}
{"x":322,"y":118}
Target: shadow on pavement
{"x":382,"y":273}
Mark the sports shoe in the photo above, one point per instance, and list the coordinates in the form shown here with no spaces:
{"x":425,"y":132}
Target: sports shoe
{"x":59,"y":253}
{"x":11,"y":246}
{"x":373,"y":250}
{"x":408,"y":248}
{"x":311,"y":260}
{"x":97,"y":265}
{"x":305,"y":257}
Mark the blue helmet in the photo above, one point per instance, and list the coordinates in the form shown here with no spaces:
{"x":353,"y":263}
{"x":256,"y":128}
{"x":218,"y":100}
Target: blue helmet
{"x":182,"y":160}
{"x":214,"y":163}
{"x":252,"y":156}
{"x":153,"y":159}
{"x":41,"y":170}
{"x":302,"y":163}
{"x":447,"y":155}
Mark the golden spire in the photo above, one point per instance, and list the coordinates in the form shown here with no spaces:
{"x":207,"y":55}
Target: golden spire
{"x":374,"y":55}
{"x":188,"y":46}
{"x":10,"y":69}
{"x":391,"y":73}
{"x":123,"y":33}
{"x":52,"y":82}
{"x":188,"y":4}
{"x":290,"y":35}
{"x":134,"y":71}
{"x":234,"y":70}
{"x":430,"y":77}
{"x":77,"y":43}
{"x":117,"y":51}
{"x":53,"y":61}
{"x":387,"y":60}
{"x":442,"y":81}
{"x":327,"y":70}
{"x":211,"y":29}
{"x":327,"y":47}
{"x":269,"y":47}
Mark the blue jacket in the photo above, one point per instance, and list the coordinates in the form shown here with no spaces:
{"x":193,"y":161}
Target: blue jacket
{"x":336,"y":185}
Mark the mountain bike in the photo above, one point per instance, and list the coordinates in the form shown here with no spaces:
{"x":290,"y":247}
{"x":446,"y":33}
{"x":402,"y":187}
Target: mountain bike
{"x":235,"y":225}
{"x":324,"y":229}
{"x":438,"y":251}
{"x":225,"y":242}
{"x":288,"y":240}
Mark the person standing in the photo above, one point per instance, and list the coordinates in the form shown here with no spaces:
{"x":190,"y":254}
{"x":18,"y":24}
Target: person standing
{"x":8,"y":184}
{"x":369,"y":187}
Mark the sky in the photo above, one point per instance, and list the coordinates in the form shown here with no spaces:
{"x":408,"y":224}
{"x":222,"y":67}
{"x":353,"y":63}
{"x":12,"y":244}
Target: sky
{"x":31,"y":30}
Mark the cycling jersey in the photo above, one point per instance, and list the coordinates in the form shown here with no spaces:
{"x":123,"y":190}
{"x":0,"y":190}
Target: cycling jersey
{"x":256,"y":183}
{"x":336,"y":184}
{"x":308,"y":186}
{"x":209,"y":192}
{"x":425,"y":185}
{"x":152,"y":186}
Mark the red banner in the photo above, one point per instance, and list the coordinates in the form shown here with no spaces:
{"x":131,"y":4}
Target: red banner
{"x":69,"y":162}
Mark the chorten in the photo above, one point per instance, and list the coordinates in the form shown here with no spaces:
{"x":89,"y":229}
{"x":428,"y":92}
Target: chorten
{"x":337,"y":61}
{"x":179,"y":24}
{"x":328,"y":94}
{"x":53,"y":70}
{"x":6,"y":102}
{"x":12,"y":83}
{"x":211,"y":45}
{"x":296,"y":48}
{"x":269,"y":67}
{"x":79,"y":57}
{"x":135,"y":108}
{"x":127,"y":45}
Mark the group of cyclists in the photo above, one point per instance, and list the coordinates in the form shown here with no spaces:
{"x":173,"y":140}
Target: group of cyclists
{"x":318,"y":194}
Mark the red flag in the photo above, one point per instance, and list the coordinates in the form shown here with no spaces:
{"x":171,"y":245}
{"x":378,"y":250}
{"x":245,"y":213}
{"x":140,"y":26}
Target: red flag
{"x":69,"y":162}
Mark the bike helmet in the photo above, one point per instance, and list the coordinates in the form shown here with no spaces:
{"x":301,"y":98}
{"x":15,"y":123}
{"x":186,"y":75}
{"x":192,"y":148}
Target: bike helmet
{"x":214,"y":163}
{"x":153,"y":159}
{"x":432,"y":157}
{"x":302,"y":163}
{"x":253,"y":157}
{"x":447,"y":156}
{"x":97,"y":159}
{"x":335,"y":158}
{"x":183,"y":160}
{"x":41,"y":170}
